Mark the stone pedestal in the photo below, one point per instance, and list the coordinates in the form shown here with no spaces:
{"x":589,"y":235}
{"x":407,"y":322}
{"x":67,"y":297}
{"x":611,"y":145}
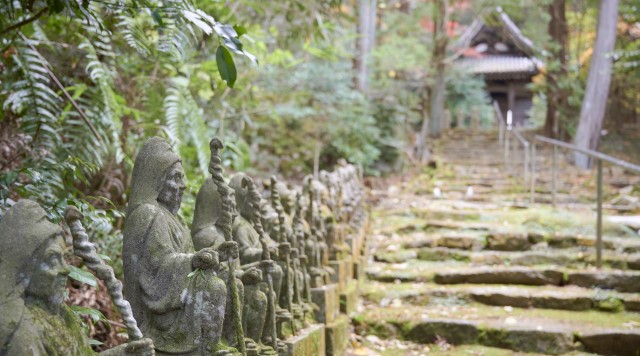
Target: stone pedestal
{"x":327,"y":298}
{"x":349,"y":298}
{"x":337,"y":336}
{"x":343,"y":271}
{"x":359,"y":268}
{"x":309,"y":341}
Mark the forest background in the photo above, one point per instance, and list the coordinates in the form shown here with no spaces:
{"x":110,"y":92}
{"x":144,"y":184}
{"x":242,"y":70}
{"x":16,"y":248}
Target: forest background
{"x":85,"y":83}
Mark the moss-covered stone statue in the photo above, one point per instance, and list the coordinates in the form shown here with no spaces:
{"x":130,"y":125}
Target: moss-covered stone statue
{"x":33,"y":275}
{"x":174,"y":292}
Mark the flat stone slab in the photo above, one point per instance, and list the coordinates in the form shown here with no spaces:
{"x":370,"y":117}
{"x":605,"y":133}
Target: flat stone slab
{"x":395,"y":256}
{"x":612,"y":342}
{"x":627,"y":282}
{"x":512,"y":275}
{"x":309,"y":341}
{"x":454,"y":331}
{"x":508,"y":241}
{"x":461,"y":242}
{"x":457,"y":225}
{"x":526,"y":298}
{"x":574,"y":258}
{"x":553,"y":341}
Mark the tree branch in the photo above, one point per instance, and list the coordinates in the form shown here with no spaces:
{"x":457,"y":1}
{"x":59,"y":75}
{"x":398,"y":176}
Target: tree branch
{"x":24,"y":22}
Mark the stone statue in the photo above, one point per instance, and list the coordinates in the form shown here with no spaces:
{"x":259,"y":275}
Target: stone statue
{"x":174,"y":292}
{"x":249,"y":240}
{"x":33,"y":275}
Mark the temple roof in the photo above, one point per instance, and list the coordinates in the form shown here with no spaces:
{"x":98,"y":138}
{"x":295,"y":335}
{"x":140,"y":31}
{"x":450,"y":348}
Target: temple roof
{"x":494,"y":67}
{"x":497,"y":50}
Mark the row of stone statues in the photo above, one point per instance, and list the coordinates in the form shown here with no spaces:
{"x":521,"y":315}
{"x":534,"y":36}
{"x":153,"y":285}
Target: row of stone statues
{"x":240,"y":281}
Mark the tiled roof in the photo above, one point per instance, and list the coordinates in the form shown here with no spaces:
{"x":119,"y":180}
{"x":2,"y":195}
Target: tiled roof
{"x":500,"y":67}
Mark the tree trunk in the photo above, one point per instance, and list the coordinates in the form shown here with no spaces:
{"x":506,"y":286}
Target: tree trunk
{"x":440,"y":41}
{"x":364,"y":43}
{"x":556,"y":97}
{"x":597,"y":91}
{"x":421,"y":151}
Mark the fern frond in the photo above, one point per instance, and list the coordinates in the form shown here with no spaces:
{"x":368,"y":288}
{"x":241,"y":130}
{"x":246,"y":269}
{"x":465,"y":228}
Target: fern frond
{"x":185,"y":121}
{"x":133,"y":33}
{"x":31,"y":98}
{"x":103,"y":107}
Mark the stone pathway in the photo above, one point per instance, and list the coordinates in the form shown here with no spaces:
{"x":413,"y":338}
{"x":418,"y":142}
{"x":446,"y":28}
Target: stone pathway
{"x":489,"y":274}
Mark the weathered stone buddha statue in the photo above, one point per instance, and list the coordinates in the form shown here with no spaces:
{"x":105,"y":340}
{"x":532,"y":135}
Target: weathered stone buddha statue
{"x":33,"y":273}
{"x":181,"y":311}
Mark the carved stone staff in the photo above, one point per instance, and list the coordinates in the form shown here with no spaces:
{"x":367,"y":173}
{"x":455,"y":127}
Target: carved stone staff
{"x":226,"y":222}
{"x":284,"y":246}
{"x":87,"y":251}
{"x":255,"y":198}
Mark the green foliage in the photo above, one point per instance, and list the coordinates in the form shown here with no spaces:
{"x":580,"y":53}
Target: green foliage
{"x":324,"y":109}
{"x":83,"y":276}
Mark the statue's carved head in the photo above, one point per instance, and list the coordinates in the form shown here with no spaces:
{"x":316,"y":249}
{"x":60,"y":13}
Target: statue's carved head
{"x":252,"y":275}
{"x":32,"y":256}
{"x":172,"y":188}
{"x":243,"y":199}
{"x":158,"y":177}
{"x":287,"y":197}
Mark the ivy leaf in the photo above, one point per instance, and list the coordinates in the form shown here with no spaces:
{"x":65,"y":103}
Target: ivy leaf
{"x":83,"y":276}
{"x":226,"y":67}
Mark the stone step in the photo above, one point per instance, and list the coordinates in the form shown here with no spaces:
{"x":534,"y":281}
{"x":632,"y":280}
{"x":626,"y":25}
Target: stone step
{"x":456,"y":272}
{"x":543,"y":331}
{"x":574,"y":258}
{"x":547,"y":297}
{"x":621,"y":281}
{"x":618,"y":252}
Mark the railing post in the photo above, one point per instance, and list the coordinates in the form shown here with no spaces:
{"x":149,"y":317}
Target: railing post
{"x":533,"y":172}
{"x":506,"y":150}
{"x":554,"y":172}
{"x":599,"y":219}
{"x":526,"y":165}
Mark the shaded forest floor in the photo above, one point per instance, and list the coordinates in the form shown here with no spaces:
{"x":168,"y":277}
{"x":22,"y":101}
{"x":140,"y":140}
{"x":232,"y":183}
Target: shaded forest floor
{"x":463,"y":263}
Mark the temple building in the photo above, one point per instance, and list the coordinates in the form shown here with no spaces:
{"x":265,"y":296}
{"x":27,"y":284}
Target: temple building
{"x":495,"y":48}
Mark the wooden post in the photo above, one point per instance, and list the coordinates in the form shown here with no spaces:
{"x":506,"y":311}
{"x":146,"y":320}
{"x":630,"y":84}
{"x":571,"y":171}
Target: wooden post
{"x":511,"y":101}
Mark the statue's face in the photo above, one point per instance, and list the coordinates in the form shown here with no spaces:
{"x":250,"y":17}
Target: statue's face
{"x":49,"y":278}
{"x":171,"y":193}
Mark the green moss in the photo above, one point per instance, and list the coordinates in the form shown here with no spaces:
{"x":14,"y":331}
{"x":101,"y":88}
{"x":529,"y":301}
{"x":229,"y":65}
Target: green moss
{"x":611,"y":304}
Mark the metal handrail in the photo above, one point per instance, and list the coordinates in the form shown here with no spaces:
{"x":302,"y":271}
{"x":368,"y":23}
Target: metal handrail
{"x":592,"y":153}
{"x":600,"y":157}
{"x":507,"y":140}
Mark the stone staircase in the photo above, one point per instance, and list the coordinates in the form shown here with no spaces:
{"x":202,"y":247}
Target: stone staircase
{"x":490,"y":274}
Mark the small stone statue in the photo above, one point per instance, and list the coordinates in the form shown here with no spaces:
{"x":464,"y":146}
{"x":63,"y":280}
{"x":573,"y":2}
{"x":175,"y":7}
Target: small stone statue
{"x":33,"y":274}
{"x":248,"y":239}
{"x":174,"y":292}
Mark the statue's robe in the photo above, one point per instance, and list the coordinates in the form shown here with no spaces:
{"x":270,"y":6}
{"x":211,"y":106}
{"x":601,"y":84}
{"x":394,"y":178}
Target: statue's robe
{"x":41,"y":332}
{"x":177,"y":311}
